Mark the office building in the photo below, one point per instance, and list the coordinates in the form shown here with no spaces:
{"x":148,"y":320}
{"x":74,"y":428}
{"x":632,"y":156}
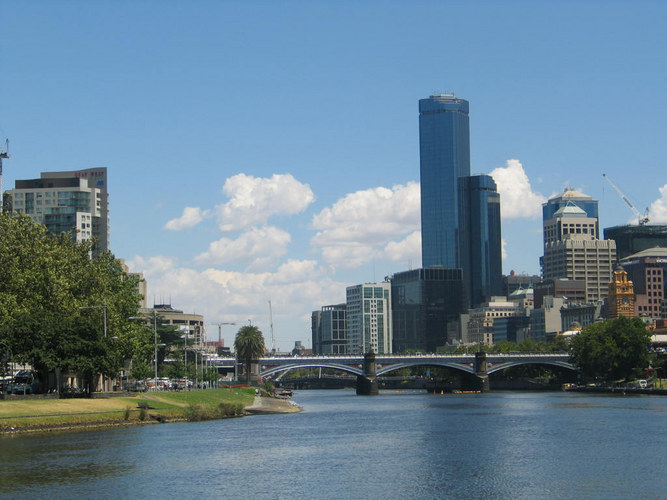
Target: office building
{"x":368,"y":317}
{"x":546,"y":321}
{"x":480,"y":238}
{"x":444,"y":152}
{"x":481,"y":319}
{"x":648,"y":272}
{"x":572,"y":249}
{"x":330,"y":330}
{"x":424,"y":303}
{"x":75,"y":201}
{"x":634,"y":239}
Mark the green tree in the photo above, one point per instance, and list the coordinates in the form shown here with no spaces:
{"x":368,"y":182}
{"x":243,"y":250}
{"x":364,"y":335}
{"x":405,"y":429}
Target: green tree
{"x":249,"y":346}
{"x":54,"y":299}
{"x":612,"y":350}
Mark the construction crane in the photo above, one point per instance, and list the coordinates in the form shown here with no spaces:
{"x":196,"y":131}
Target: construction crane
{"x":4,"y":153}
{"x":642,"y":218}
{"x":220,"y":325}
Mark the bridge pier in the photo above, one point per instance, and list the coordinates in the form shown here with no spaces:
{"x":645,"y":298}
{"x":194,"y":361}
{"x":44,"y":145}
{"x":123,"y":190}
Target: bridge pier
{"x":481,"y":376}
{"x":367,"y":384}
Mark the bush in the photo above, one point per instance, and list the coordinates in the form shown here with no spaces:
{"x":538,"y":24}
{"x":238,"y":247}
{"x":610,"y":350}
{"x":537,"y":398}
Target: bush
{"x":142,"y":414}
{"x":195,"y":413}
{"x":126,"y":416}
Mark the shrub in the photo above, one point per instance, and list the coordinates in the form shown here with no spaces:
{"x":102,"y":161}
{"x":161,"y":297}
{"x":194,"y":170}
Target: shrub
{"x":194,"y":413}
{"x":142,"y":414}
{"x":126,"y":416}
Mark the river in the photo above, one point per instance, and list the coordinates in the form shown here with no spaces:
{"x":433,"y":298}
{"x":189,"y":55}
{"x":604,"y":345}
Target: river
{"x":396,"y":445}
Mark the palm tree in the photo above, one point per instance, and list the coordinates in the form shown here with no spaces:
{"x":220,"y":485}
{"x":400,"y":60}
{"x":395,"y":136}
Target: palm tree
{"x":249,"y":346}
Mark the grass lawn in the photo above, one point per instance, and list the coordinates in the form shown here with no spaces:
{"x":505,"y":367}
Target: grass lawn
{"x":45,"y":413}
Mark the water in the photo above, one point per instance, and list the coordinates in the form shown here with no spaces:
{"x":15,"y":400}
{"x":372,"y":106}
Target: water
{"x":396,"y":445}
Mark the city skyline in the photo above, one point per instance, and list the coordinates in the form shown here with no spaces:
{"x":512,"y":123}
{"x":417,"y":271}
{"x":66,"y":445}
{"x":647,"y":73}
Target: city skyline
{"x":259,"y":154}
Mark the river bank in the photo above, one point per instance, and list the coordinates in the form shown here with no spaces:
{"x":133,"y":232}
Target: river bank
{"x":51,"y":415}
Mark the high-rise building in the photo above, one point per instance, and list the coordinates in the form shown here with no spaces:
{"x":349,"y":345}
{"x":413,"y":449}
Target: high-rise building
{"x":330,"y":330}
{"x":460,"y":214}
{"x":424,"y":303}
{"x":479,"y":241}
{"x":444,"y":151}
{"x":368,"y":315}
{"x":572,"y":249}
{"x":64,"y":201}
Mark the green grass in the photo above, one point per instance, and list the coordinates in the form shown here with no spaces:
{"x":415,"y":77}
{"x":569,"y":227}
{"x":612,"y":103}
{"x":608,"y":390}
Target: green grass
{"x":65,"y":413}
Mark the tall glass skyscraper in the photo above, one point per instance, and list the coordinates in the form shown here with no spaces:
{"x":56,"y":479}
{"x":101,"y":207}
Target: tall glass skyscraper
{"x":444,"y":151}
{"x":480,"y":240}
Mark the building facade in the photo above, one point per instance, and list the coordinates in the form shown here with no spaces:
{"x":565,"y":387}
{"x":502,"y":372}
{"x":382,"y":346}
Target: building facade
{"x":330,"y":330}
{"x":191,"y":325}
{"x":572,"y":249}
{"x":634,"y":239}
{"x":481,"y":319}
{"x":648,"y":272}
{"x":424,"y":303}
{"x":68,"y":201}
{"x":368,"y":318}
{"x":480,"y":238}
{"x":621,"y":297}
{"x":444,"y":153}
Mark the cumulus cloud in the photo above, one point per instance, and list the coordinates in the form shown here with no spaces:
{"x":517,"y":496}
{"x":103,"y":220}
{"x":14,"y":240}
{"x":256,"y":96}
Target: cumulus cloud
{"x":190,"y":218}
{"x":407,"y":250}
{"x":517,"y":198}
{"x":294,"y":287}
{"x":257,"y":248}
{"x":357,"y":227}
{"x":254,"y":199}
{"x":658,"y":209}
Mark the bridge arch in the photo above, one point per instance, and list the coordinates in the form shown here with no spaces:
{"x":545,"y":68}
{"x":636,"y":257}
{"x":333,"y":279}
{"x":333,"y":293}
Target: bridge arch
{"x":465,"y":368}
{"x":295,"y":366}
{"x":509,"y":364}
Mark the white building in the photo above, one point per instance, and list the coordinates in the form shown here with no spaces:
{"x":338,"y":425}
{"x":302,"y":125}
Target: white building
{"x":573,"y":251}
{"x":368,"y":313}
{"x":480,"y":320}
{"x":65,"y":201}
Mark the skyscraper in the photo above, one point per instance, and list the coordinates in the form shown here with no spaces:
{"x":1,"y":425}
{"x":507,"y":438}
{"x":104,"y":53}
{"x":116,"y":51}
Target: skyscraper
{"x":444,"y":151}
{"x":572,"y":249}
{"x":480,"y":243}
{"x":460,"y":213}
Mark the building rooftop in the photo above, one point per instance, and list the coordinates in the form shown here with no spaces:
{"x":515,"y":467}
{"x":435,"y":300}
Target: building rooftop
{"x":657,"y":252}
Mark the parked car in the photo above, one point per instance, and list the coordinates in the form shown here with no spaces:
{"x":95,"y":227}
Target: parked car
{"x":21,"y":388}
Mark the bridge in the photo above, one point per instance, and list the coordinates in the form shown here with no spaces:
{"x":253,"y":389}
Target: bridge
{"x":479,"y":365}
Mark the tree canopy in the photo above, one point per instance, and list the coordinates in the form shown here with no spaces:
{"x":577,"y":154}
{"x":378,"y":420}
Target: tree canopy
{"x":612,"y":350}
{"x":55,"y":301}
{"x":249,"y":346}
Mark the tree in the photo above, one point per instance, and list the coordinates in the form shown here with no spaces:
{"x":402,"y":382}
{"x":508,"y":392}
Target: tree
{"x":54,"y":299}
{"x":249,"y":346}
{"x":612,"y":350}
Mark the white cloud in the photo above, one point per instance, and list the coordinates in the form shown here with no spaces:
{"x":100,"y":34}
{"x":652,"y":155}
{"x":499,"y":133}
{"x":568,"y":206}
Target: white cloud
{"x":407,"y":250}
{"x":517,"y":199}
{"x":190,"y":218}
{"x":658,"y":209}
{"x":254,"y":199}
{"x":294,"y":287}
{"x":357,"y":227}
{"x":257,"y":248}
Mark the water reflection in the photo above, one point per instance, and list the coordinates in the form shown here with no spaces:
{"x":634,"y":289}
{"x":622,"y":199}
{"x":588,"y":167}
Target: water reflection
{"x":503,"y":445}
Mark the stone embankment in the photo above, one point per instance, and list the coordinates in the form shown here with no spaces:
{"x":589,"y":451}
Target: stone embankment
{"x":265,"y":405}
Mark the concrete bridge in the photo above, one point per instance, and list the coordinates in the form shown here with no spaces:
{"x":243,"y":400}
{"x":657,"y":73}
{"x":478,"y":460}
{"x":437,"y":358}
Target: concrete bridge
{"x":367,"y":368}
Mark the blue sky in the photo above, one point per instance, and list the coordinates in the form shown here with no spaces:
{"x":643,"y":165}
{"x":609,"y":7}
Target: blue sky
{"x":269,"y":150}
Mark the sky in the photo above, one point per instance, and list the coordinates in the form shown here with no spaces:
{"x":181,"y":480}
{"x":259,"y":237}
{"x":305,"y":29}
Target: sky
{"x":268,"y":150}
